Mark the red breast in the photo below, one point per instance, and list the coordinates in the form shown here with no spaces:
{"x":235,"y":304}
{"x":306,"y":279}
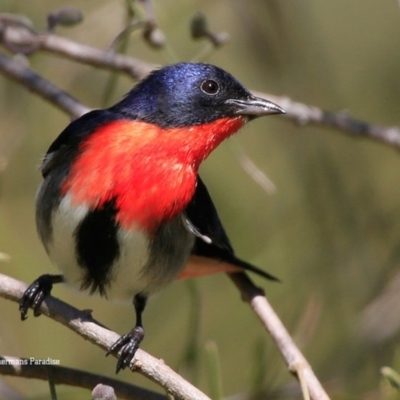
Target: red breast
{"x":151,"y":172}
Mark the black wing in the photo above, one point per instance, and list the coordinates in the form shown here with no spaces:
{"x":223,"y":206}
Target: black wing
{"x":66,"y":145}
{"x":211,"y":239}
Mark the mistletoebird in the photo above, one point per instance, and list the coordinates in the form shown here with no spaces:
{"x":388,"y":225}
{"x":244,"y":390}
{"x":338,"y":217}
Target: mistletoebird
{"x":122,"y":210}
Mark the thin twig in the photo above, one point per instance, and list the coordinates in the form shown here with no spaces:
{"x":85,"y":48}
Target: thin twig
{"x":305,"y":114}
{"x":289,"y":351}
{"x":25,"y":367}
{"x":134,"y":67}
{"x":37,"y":84}
{"x":83,"y":324}
{"x":18,"y":37}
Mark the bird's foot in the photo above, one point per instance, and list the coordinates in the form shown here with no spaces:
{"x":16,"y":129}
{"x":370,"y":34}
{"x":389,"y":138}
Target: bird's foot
{"x":35,"y":294}
{"x":127,"y":345}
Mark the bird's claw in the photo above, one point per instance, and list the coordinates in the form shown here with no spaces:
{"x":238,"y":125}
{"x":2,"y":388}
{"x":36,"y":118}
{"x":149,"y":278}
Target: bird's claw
{"x":34,"y":295}
{"x":127,"y":346}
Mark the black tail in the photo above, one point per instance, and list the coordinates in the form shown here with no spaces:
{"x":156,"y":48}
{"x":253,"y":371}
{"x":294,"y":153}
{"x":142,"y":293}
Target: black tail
{"x":249,"y":267}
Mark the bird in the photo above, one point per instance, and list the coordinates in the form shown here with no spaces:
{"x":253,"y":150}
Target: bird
{"x":122,"y":211}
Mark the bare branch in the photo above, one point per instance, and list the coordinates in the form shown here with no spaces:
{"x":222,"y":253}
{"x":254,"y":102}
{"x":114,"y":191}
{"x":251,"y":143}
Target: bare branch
{"x":23,"y":367}
{"x":34,"y":82}
{"x":83,"y":324}
{"x":15,"y":38}
{"x":305,"y":114}
{"x":19,"y":37}
{"x":95,"y":57}
{"x":291,"y":354}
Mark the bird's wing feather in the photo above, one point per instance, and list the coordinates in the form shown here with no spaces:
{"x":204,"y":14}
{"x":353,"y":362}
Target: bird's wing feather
{"x":204,"y":217}
{"x":67,"y":143}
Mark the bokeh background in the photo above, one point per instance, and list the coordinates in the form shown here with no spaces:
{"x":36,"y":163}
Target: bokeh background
{"x":331,"y":231}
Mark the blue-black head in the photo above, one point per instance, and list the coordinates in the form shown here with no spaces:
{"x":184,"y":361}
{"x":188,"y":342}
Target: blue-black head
{"x":187,"y":94}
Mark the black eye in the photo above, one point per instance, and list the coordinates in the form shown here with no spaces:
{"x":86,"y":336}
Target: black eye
{"x":210,"y":87}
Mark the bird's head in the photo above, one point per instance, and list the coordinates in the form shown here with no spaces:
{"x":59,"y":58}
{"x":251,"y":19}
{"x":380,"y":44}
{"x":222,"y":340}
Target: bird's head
{"x":188,"y":94}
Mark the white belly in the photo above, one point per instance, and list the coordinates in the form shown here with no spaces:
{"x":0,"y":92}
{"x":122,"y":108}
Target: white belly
{"x":143,"y":266}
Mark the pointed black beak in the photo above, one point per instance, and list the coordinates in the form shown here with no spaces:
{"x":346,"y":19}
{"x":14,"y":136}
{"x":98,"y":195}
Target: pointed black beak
{"x":254,"y":107}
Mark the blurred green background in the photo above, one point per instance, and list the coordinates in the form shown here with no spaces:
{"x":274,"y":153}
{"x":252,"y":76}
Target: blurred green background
{"x":331,"y":232}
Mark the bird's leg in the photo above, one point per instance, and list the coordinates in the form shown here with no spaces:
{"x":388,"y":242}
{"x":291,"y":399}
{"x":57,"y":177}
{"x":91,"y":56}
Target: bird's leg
{"x":129,"y":343}
{"x":35,"y":294}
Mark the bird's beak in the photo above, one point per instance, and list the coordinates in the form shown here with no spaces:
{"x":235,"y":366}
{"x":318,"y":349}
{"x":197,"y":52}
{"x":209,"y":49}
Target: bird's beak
{"x":255,"y":107}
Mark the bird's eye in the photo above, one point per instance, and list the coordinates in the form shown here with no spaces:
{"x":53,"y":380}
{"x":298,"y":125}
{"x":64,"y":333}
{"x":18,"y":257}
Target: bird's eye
{"x":210,"y":87}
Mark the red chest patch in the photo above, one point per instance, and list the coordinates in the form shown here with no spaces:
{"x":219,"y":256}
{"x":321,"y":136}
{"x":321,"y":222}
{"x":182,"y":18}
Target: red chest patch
{"x":149,"y":171}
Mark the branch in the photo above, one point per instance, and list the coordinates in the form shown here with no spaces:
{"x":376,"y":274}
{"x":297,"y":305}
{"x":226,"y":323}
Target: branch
{"x":305,"y":114}
{"x":37,"y":84}
{"x":111,"y":60}
{"x":83,"y":324}
{"x":22,"y":367}
{"x":291,"y":354}
{"x":20,"y":38}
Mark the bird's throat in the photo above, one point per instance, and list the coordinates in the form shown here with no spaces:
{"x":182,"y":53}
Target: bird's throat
{"x":200,"y":140}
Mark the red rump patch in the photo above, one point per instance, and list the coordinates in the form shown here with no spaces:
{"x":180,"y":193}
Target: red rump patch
{"x":149,"y":171}
{"x":200,"y":266}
